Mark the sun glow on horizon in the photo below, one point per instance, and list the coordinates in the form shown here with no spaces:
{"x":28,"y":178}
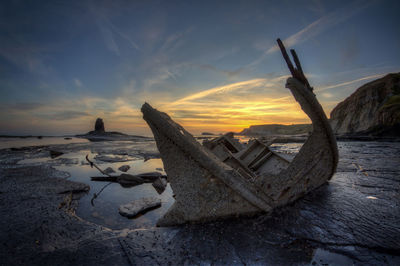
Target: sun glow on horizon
{"x":236,"y":106}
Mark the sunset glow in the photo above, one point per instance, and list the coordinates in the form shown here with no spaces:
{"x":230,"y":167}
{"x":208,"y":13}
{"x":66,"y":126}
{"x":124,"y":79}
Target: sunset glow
{"x":211,"y":66}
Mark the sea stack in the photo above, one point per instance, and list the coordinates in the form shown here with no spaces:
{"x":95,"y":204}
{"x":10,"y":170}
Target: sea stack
{"x":99,"y":126}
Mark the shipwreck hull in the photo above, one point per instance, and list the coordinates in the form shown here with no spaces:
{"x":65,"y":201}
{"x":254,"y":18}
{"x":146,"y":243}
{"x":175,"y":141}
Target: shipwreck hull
{"x":197,"y":177}
{"x":206,"y":188}
{"x":221,"y":180}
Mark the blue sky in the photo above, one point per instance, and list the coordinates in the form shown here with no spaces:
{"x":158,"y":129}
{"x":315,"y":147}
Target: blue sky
{"x":212,"y":65}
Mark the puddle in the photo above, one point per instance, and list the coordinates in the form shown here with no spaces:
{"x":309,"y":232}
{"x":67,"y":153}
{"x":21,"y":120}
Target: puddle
{"x":104,"y":210}
{"x":105,"y":206}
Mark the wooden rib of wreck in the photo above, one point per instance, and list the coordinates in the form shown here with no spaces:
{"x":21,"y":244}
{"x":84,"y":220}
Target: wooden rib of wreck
{"x":222,"y":179}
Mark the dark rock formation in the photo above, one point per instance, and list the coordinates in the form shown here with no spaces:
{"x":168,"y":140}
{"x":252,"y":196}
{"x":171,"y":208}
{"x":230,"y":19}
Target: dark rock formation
{"x":99,"y":134}
{"x":99,"y":126}
{"x":54,"y":154}
{"x":127,"y":180}
{"x":276,"y":129}
{"x":124,"y":168}
{"x":373,"y":109}
{"x":109,"y":170}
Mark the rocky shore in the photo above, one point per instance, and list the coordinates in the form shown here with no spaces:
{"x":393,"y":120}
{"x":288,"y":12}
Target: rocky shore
{"x":354,"y":219}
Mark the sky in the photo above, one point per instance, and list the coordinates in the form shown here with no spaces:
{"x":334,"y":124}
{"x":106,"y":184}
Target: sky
{"x":211,"y":65}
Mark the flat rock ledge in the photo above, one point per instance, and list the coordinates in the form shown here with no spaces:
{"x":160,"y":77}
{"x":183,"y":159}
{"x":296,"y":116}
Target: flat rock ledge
{"x":353,"y":220}
{"x":137,"y":206}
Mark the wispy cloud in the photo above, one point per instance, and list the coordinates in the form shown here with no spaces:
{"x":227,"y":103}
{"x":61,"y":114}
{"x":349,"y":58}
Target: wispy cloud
{"x":108,"y":29}
{"x":237,"y":105}
{"x":21,"y":106}
{"x":346,"y":83}
{"x":227,"y":73}
{"x":246,"y":85}
{"x":77,"y":82}
{"x":23,"y":54}
{"x":66,"y":115}
{"x":318,"y":26}
{"x":324,"y":23}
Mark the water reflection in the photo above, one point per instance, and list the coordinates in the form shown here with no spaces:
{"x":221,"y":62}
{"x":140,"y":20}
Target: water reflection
{"x":104,"y":210}
{"x":6,"y":143}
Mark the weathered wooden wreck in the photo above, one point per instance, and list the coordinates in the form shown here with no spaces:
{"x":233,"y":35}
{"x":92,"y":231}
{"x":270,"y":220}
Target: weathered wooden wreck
{"x":222,"y":178}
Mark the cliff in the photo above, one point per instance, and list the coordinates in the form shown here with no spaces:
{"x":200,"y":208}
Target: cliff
{"x":373,"y":109}
{"x":277,"y":129}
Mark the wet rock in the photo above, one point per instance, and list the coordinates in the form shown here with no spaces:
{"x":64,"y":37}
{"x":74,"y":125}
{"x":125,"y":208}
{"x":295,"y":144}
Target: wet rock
{"x":54,"y":154}
{"x":109,"y":170}
{"x":67,"y":161}
{"x":351,"y":220}
{"x":135,"y":207}
{"x":160,"y":184}
{"x":39,"y":229}
{"x":124,"y":168}
{"x":112,"y":158}
{"x":128,"y":180}
{"x":151,"y":176}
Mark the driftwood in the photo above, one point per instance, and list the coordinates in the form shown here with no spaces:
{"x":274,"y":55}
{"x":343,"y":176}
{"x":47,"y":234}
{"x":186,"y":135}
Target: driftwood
{"x":208,"y":187}
{"x":143,"y":178}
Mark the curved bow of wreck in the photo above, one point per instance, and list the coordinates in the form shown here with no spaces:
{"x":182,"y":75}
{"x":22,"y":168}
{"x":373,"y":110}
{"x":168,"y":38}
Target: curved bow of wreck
{"x":223,"y":179}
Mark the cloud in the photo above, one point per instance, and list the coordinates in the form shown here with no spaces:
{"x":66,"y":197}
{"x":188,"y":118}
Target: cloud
{"x":53,"y":114}
{"x":21,"y":106}
{"x":23,"y":54}
{"x":245,"y":85}
{"x":324,"y":88}
{"x":77,"y":82}
{"x":237,"y":105}
{"x":108,"y":29}
{"x":322,"y":24}
{"x":227,"y":73}
{"x":68,"y":115}
{"x":318,"y":26}
{"x":124,"y":36}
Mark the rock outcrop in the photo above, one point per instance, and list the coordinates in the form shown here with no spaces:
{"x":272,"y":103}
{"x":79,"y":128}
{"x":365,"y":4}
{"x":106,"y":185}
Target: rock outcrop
{"x":99,"y":126}
{"x":99,"y":134}
{"x":373,"y":109}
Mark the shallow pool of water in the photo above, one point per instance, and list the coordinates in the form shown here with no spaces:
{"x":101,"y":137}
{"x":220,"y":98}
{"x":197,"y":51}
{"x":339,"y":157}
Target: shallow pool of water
{"x":103,"y":208}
